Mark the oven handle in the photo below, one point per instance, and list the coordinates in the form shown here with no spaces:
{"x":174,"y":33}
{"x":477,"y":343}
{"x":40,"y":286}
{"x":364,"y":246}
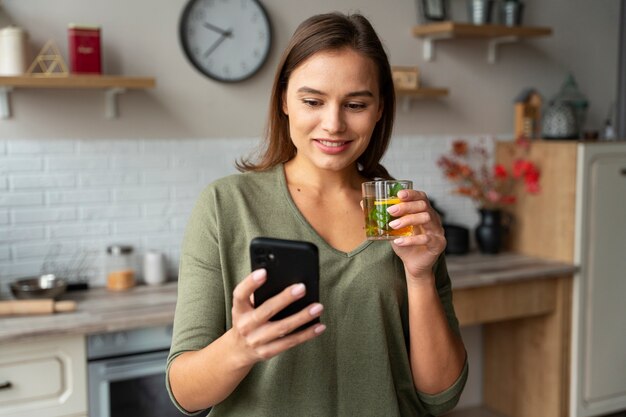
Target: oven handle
{"x":115,"y":369}
{"x":5,"y":385}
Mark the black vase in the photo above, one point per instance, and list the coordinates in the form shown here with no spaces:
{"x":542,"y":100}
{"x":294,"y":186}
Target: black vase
{"x":490,"y":231}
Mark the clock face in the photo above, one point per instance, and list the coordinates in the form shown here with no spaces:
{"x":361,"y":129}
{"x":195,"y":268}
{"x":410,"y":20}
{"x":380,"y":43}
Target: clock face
{"x":226,"y":40}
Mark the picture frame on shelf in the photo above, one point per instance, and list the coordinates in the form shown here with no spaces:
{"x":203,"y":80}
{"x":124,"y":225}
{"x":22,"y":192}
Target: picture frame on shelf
{"x":434,"y":10}
{"x":405,"y":77}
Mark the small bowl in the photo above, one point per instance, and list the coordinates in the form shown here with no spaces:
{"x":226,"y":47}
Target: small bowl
{"x":44,"y":286}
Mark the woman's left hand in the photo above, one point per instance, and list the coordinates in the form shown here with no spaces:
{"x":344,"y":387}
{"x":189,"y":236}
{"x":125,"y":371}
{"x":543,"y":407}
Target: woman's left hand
{"x":420,"y":251}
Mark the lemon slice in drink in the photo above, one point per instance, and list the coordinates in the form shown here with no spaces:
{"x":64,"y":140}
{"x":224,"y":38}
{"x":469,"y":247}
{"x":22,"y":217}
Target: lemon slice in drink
{"x":387,"y":202}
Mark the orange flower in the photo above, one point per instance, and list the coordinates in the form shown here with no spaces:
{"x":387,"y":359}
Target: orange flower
{"x":459,"y":147}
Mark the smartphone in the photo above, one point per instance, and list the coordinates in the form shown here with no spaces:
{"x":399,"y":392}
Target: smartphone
{"x":287,"y":262}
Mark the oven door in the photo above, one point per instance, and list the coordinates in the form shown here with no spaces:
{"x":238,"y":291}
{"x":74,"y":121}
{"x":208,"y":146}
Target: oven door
{"x":130,"y":386}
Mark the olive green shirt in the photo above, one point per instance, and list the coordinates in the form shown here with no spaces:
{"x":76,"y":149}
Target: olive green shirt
{"x":359,"y":366}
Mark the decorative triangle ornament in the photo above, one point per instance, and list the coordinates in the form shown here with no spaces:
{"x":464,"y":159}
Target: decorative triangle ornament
{"x":49,"y":62}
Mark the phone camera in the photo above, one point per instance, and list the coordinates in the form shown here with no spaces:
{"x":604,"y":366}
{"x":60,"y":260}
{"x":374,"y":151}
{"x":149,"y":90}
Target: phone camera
{"x":271,"y":257}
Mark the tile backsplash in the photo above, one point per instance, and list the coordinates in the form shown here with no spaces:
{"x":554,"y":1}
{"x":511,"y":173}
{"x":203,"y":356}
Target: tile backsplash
{"x":63,"y":201}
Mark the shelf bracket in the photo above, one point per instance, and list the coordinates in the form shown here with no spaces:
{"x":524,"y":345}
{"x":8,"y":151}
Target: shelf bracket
{"x":5,"y":102}
{"x":111,"y":110}
{"x":406,"y":104}
{"x":428,"y":48}
{"x":492,"y":52}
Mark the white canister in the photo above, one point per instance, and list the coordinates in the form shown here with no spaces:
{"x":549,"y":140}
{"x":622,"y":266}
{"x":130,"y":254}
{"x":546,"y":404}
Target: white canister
{"x":12,"y":51}
{"x":154,"y":268}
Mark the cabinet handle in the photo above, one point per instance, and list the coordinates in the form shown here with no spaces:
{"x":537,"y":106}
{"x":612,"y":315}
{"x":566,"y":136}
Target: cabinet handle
{"x":5,"y":385}
{"x":623,"y":171}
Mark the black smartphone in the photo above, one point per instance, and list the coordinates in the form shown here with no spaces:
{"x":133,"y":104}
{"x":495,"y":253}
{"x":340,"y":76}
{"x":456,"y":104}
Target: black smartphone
{"x":287,"y":262}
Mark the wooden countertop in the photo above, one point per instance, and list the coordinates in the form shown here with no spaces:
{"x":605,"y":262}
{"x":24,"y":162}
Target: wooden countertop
{"x":100,"y":310}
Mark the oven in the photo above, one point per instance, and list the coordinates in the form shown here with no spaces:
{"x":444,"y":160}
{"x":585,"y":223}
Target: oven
{"x":126,"y":373}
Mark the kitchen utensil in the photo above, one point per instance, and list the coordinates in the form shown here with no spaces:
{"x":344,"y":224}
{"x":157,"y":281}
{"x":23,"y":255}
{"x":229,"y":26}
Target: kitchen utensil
{"x":120,"y":267}
{"x":511,"y":12}
{"x":457,"y":238}
{"x":559,"y":122}
{"x":154,"y":268}
{"x":479,"y":11}
{"x":42,"y":306}
{"x":13,"y":51}
{"x":44,"y":286}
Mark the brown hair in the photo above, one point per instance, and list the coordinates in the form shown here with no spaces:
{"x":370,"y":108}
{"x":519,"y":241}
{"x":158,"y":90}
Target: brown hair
{"x":332,"y":31}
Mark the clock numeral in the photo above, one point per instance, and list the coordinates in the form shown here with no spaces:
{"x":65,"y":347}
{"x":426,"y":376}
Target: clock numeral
{"x":256,"y":53}
{"x":262,"y":35}
{"x":226,"y":70}
{"x":255,"y":17}
{"x":244,"y":4}
{"x":198,"y":14}
{"x":244,"y":66}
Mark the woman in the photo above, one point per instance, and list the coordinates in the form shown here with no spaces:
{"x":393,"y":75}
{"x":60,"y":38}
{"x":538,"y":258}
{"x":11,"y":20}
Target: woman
{"x":388,"y":342}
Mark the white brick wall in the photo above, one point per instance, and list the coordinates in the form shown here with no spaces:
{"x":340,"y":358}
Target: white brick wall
{"x":63,"y":201}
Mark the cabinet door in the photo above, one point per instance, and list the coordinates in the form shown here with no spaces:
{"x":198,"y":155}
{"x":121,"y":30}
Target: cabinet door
{"x":602,"y":310}
{"x":43,"y":378}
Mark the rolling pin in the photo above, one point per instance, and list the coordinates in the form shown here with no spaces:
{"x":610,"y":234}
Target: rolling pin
{"x":43,"y":306}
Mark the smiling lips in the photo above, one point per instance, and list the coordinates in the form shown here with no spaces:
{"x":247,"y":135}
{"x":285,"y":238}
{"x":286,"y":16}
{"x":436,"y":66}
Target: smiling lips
{"x":332,"y":146}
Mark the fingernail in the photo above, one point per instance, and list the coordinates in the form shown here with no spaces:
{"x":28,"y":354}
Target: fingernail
{"x":403,"y":194}
{"x":394,"y":223}
{"x":392,"y":209}
{"x":298,"y":289}
{"x":320,"y":328}
{"x":399,"y":241}
{"x":259,"y":275}
{"x":316,"y":309}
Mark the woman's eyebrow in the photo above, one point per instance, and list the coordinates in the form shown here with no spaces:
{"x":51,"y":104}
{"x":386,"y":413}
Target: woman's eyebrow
{"x":359,"y":93}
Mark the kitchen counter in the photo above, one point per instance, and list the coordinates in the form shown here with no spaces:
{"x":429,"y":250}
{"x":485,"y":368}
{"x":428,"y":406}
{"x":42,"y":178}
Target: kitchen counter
{"x":101,"y":310}
{"x":98,"y":310}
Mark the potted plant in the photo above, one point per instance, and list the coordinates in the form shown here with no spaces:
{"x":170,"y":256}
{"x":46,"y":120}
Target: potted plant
{"x":490,"y":185}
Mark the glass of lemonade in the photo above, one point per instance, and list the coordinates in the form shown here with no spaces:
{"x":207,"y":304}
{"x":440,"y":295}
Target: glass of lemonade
{"x":378,"y":196}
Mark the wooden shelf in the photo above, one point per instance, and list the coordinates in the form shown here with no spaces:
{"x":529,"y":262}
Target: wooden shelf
{"x":473,"y":412}
{"x":113,"y":85}
{"x":407,"y":94}
{"x":495,"y":34}
{"x":422,"y":92}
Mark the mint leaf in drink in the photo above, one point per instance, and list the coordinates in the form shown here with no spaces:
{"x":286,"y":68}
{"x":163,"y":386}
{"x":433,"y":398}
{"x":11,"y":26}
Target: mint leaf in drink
{"x":395,"y":189}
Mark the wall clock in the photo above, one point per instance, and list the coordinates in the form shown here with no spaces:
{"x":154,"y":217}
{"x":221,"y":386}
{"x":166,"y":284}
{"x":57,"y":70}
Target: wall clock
{"x":226,"y":40}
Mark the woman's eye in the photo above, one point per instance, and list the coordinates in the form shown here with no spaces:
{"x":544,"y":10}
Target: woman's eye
{"x":356,"y":106}
{"x":311,"y":103}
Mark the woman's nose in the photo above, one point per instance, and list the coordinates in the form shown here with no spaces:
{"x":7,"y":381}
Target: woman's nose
{"x":333,"y":120}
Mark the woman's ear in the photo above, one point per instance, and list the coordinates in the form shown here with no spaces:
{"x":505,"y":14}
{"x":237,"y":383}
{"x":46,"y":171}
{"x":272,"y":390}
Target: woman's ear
{"x":284,"y":103}
{"x":381,"y":107}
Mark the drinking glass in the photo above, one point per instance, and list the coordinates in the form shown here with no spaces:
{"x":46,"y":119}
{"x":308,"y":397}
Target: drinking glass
{"x":378,"y":196}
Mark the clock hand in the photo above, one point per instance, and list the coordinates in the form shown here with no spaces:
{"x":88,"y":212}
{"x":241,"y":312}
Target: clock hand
{"x":217,"y":29}
{"x":217,"y":43}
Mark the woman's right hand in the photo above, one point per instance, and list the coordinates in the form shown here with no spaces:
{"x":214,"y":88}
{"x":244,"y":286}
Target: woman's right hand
{"x":257,"y":336}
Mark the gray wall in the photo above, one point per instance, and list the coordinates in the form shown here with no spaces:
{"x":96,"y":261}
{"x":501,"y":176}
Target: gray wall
{"x":140,"y":38}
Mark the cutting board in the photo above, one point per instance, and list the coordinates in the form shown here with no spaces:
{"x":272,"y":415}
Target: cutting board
{"x":43,"y":306}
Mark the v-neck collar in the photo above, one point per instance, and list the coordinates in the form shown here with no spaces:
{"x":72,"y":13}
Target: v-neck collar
{"x":282,"y":178}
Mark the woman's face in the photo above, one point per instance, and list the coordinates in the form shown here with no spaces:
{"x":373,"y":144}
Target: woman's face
{"x":332,"y":102}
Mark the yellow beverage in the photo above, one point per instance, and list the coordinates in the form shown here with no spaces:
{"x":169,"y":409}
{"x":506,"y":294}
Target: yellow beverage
{"x":377,"y":219}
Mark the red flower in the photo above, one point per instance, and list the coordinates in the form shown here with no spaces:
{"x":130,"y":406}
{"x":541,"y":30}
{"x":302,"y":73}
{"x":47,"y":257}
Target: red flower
{"x":489,"y":185}
{"x":520,"y":167}
{"x":500,"y":172}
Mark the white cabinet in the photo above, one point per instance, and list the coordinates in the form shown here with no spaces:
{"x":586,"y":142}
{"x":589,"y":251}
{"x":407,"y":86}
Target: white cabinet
{"x":44,"y":378}
{"x":580,"y":217}
{"x":599,"y":336}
